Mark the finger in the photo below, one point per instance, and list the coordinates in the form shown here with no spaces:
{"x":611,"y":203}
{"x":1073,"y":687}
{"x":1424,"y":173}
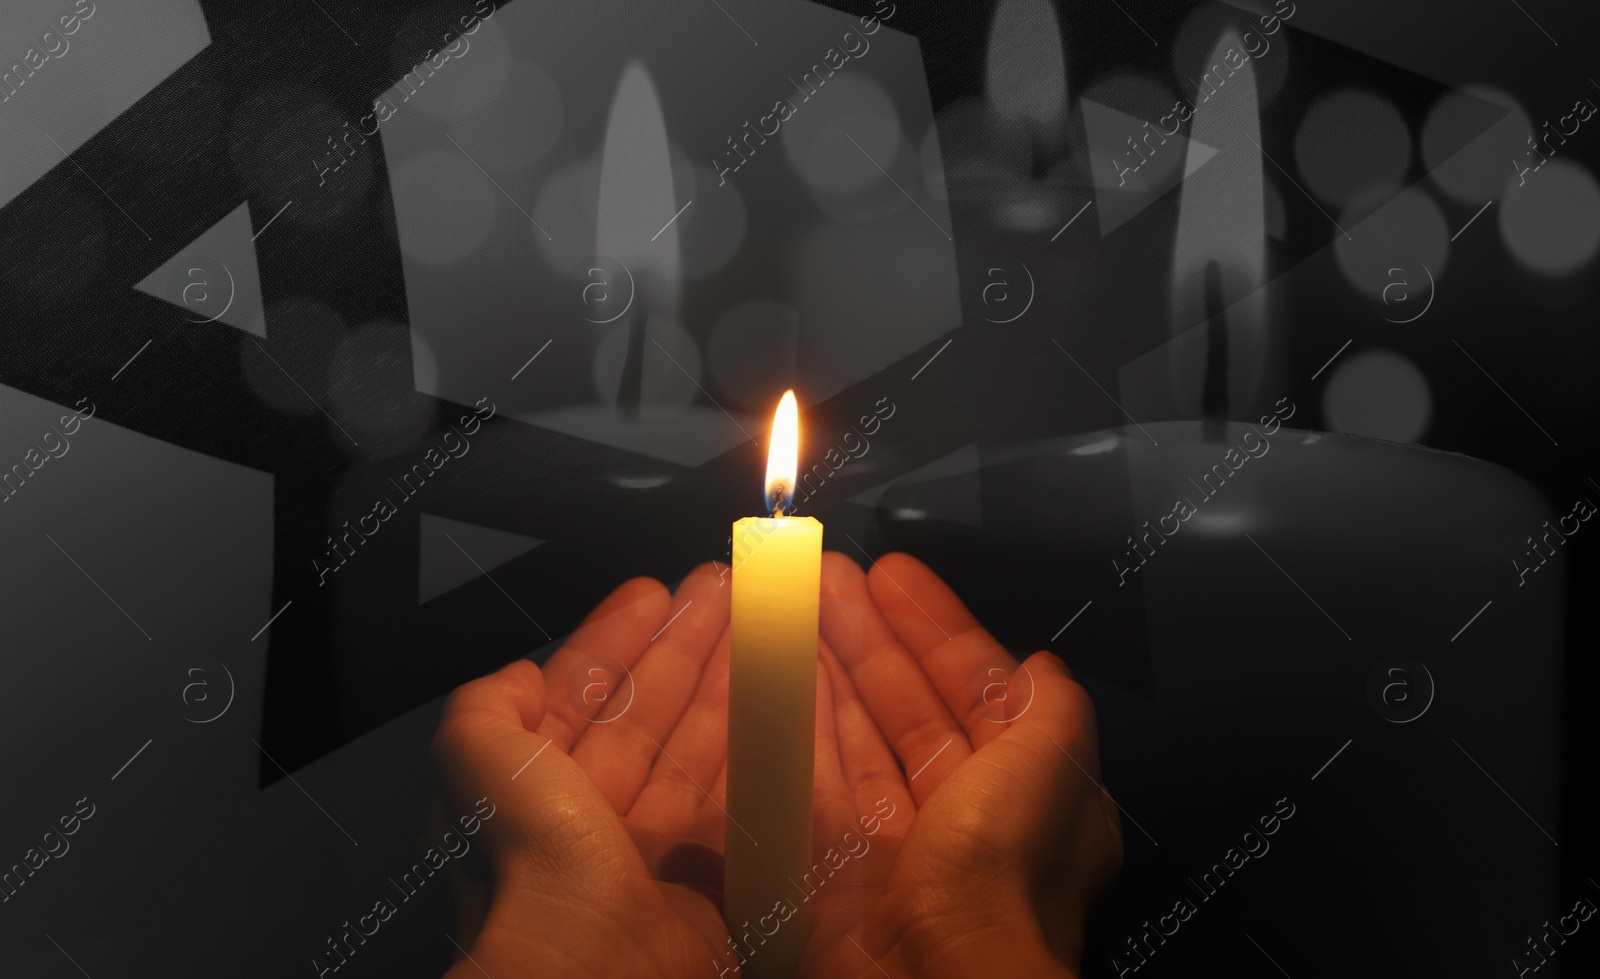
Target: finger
{"x":972,"y":672}
{"x":1046,"y":764}
{"x":874,"y":776}
{"x":1071,"y":826}
{"x":840,"y":885}
{"x":486,"y":736}
{"x":833,"y":803}
{"x":676,"y":793}
{"x":711,"y":828}
{"x":619,"y":747}
{"x":513,"y":696}
{"x":899,"y":696}
{"x":583,"y":671}
{"x":542,"y":818}
{"x":1068,"y":717}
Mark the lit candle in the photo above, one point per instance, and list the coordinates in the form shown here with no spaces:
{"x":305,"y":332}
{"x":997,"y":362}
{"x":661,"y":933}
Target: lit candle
{"x":1219,"y":259}
{"x":1025,"y":74}
{"x":636,"y":186}
{"x":643,"y":362}
{"x":772,"y":692}
{"x":1243,"y":583}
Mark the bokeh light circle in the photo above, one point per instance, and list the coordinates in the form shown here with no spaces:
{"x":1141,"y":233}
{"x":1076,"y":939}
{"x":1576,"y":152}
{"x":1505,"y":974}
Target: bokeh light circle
{"x":453,"y":203}
{"x":1408,"y":233}
{"x":712,"y":229}
{"x":752,"y":349}
{"x":1349,"y":142}
{"x":851,"y":130}
{"x":1551,"y":223}
{"x":371,"y":398}
{"x":1477,"y":172}
{"x":1379,"y":394}
{"x":518,"y":126}
{"x":569,"y":200}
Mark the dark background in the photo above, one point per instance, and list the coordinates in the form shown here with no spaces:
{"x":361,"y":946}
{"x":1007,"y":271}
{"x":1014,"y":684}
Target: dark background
{"x":163,"y":883}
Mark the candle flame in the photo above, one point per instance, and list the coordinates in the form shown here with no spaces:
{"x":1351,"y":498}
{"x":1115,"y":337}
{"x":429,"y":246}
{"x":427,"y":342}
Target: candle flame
{"x":1219,"y":262}
{"x":783,"y":458}
{"x":1025,"y":69}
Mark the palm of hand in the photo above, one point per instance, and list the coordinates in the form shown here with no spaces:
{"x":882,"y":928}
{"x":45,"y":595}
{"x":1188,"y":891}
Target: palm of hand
{"x":999,"y":823}
{"x":656,"y":747}
{"x":588,"y":871}
{"x":1007,"y":825}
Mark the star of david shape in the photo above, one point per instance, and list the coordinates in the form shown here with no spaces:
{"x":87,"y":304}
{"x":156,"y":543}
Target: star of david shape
{"x":230,"y":127}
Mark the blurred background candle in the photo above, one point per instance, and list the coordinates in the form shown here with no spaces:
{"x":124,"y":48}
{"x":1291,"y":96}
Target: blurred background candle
{"x":645,"y":360}
{"x":1267,"y":570}
{"x":772,"y":677}
{"x":415,"y":283}
{"x":636,"y":185}
{"x":1014,"y":139}
{"x":1219,"y":259}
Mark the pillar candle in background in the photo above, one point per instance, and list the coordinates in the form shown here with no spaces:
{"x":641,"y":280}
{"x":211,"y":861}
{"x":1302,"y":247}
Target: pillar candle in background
{"x":1269,"y":598}
{"x":772,"y":677}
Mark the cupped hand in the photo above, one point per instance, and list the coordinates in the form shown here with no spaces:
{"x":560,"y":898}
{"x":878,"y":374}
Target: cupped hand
{"x":959,"y":823}
{"x":1000,"y":833}
{"x":603,"y":849}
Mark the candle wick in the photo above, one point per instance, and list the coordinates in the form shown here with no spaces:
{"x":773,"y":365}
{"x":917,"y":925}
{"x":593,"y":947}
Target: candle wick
{"x":631,"y":387}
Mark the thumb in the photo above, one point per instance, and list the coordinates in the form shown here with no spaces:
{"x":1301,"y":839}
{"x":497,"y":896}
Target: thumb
{"x":548,"y":821}
{"x":1015,"y":838}
{"x":1029,"y":782}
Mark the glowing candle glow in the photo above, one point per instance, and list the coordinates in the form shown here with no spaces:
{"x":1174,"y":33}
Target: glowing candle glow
{"x":772,"y":692}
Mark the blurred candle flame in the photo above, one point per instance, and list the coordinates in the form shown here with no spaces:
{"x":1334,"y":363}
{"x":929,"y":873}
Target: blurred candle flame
{"x":1219,"y":258}
{"x":636,"y":192}
{"x":1025,"y":69}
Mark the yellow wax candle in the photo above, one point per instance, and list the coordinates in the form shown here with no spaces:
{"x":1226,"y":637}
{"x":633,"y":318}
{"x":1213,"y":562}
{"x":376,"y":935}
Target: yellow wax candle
{"x":772,"y":693}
